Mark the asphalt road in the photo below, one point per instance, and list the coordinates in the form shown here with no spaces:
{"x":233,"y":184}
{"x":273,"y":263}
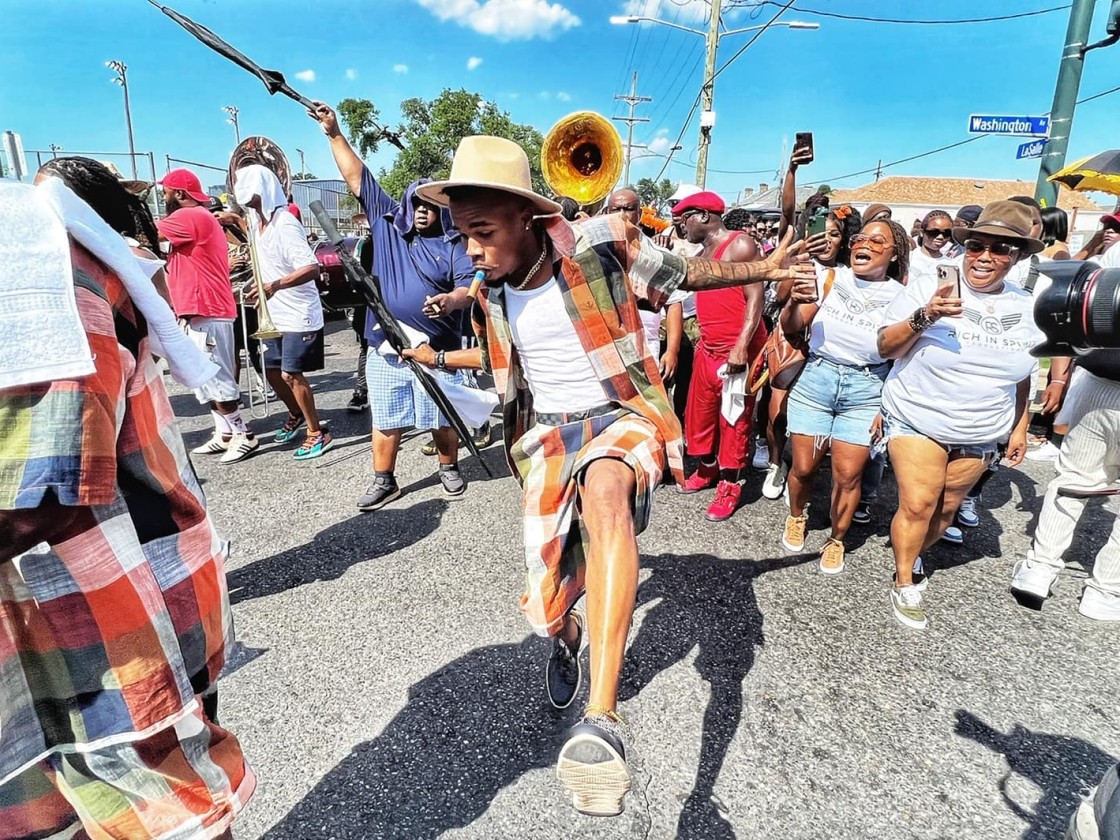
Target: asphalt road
{"x":386,"y":686}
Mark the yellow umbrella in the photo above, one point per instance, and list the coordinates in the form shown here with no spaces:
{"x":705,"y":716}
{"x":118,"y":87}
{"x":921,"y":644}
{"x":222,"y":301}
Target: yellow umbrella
{"x":1099,"y":173}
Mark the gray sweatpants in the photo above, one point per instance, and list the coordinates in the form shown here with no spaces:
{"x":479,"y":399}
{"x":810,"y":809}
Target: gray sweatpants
{"x":1089,"y":460}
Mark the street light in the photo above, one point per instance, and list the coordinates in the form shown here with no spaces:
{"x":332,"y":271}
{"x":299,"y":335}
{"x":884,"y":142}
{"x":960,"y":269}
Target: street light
{"x":233,"y":112}
{"x":121,"y":69}
{"x":707,"y":90}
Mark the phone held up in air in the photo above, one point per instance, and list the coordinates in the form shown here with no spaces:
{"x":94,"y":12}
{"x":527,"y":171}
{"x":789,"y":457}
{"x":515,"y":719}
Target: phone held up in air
{"x":817,"y":222}
{"x":804,"y":140}
{"x":949,"y":281}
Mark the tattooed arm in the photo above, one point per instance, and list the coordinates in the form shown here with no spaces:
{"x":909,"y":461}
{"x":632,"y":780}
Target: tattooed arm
{"x":787,"y":262}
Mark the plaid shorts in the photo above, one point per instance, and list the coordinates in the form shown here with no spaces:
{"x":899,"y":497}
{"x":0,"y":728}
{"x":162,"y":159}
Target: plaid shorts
{"x":397,"y":400}
{"x":550,"y":462}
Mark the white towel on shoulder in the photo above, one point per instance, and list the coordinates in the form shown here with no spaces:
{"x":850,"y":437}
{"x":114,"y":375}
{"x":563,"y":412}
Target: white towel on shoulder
{"x":41,"y":333}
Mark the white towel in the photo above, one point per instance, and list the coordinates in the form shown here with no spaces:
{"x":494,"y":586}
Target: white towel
{"x":41,"y":333}
{"x":733,"y":399}
{"x":188,"y":365}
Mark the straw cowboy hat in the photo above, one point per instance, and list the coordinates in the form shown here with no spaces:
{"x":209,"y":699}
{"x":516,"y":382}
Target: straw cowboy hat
{"x":491,"y":162}
{"x":1007,"y":220}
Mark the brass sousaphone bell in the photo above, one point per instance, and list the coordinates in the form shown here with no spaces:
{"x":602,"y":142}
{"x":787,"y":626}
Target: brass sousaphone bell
{"x":582,"y":157}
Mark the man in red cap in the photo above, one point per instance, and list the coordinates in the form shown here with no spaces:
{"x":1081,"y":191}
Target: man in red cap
{"x":1110,"y":257}
{"x":198,"y":279}
{"x":730,"y":336}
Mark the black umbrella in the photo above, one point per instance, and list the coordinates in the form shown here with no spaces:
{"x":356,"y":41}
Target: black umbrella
{"x":273,"y":79}
{"x":371,"y":290}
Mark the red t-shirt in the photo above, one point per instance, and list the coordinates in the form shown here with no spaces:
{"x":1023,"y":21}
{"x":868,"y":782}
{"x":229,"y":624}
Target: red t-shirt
{"x":198,"y":265}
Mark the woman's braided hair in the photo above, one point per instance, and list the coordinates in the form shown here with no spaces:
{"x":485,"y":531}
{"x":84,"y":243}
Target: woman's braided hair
{"x":94,"y":184}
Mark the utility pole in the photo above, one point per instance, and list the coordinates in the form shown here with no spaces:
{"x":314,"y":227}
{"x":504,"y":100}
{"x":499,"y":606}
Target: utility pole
{"x":1066,"y":89}
{"x":121,"y":69}
{"x":633,"y":100}
{"x":707,"y":96}
{"x":302,"y":164}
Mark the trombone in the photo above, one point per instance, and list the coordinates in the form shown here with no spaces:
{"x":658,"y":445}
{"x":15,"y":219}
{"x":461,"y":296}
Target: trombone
{"x":266,"y":329}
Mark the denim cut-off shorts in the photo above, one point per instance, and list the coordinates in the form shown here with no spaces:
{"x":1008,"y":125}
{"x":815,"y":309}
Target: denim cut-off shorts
{"x":835,"y":402}
{"x":893,"y":427}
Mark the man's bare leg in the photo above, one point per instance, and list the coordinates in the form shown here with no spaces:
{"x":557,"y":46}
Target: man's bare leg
{"x":304,"y":397}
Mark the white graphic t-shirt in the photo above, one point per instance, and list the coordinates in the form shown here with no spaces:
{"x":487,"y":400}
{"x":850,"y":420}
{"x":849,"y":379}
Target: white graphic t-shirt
{"x":845,"y":328}
{"x":957,"y":384}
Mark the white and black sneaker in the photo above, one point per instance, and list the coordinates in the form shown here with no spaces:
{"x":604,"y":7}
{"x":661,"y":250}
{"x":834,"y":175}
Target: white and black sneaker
{"x":592,"y":764}
{"x":240,"y":447}
{"x":215,"y":446}
{"x":563,"y":673}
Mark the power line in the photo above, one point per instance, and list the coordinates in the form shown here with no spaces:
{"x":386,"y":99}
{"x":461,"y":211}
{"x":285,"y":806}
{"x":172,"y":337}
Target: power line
{"x":938,"y":22}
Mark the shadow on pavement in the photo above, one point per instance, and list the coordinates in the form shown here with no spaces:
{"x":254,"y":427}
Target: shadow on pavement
{"x":335,"y":549}
{"x":482,"y":721}
{"x":708,"y":603}
{"x":1058,"y":765}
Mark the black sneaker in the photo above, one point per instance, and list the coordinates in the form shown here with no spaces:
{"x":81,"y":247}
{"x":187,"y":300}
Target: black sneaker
{"x":379,"y":494}
{"x":358,"y":402}
{"x":592,"y":765}
{"x":482,"y":436}
{"x":563,"y":672}
{"x":862,"y":516}
{"x":452,"y":480}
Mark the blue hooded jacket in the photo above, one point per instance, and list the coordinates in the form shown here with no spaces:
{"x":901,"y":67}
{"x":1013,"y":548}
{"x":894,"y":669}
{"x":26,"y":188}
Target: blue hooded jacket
{"x":412,"y":267}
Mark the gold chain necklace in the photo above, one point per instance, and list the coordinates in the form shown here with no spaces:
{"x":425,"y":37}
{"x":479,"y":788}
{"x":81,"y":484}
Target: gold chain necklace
{"x":532,"y":271}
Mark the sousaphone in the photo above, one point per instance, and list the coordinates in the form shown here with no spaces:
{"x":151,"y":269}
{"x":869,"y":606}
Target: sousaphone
{"x":582,"y":157}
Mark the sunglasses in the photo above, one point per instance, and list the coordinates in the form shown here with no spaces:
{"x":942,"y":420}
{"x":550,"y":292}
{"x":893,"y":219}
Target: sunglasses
{"x":997,"y":249}
{"x":933,"y":233}
{"x":875,"y":243}
{"x":688,"y":214}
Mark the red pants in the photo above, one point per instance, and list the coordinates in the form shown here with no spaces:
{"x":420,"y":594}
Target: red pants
{"x":706,"y":432}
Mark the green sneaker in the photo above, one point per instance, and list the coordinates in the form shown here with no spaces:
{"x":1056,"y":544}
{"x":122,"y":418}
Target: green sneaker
{"x":314,"y":445}
{"x":906,"y":603}
{"x":293,"y":424}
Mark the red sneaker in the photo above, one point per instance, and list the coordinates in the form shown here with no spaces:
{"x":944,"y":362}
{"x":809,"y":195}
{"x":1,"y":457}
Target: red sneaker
{"x":704,"y":477}
{"x":725,"y":502}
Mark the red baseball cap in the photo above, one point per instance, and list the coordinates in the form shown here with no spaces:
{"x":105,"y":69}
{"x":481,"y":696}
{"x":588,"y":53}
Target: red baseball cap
{"x":1111,"y":217}
{"x":709,"y":201}
{"x":187,"y":181}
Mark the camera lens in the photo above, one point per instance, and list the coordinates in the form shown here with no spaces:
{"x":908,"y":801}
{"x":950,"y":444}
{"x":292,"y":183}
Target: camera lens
{"x":1080,"y":310}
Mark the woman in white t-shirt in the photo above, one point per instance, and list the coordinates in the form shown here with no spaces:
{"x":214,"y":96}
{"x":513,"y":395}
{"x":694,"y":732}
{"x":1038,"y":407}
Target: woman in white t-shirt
{"x":960,"y":386}
{"x":935,"y":233}
{"x":834,"y":402}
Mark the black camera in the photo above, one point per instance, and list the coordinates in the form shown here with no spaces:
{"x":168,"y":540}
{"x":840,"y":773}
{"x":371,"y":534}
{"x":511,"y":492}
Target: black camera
{"x":1080,"y":311}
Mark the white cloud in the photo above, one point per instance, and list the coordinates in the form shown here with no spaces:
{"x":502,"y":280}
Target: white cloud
{"x":544,"y":94}
{"x":564,"y":96}
{"x":659,"y":145}
{"x":506,"y":20}
{"x":306,"y":75}
{"x":400,"y":68}
{"x":473,"y":62}
{"x":351,"y":74}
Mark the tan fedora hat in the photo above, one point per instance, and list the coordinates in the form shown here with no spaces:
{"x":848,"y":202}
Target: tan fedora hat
{"x":491,"y":162}
{"x":1006,"y":219}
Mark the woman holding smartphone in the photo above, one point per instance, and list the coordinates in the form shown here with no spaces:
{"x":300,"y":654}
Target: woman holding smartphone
{"x":835,"y":400}
{"x":959,"y":388}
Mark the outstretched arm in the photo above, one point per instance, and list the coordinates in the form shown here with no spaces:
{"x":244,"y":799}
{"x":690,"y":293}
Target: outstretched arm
{"x":787,"y":262}
{"x":347,"y":160}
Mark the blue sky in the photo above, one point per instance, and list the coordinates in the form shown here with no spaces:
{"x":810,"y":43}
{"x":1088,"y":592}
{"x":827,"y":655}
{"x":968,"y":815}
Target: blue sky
{"x":867,"y":91}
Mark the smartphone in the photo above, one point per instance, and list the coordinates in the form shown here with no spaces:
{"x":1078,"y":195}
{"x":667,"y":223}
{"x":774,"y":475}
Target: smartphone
{"x":804,"y":139}
{"x":949,"y":280}
{"x":817,"y":222}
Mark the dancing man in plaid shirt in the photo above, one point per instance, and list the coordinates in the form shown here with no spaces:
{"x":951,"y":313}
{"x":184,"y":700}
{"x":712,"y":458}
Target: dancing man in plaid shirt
{"x":588,"y":427}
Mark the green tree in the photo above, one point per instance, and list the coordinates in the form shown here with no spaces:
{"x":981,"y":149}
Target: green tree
{"x":431,"y":131}
{"x":303,"y":176}
{"x":655,"y":193}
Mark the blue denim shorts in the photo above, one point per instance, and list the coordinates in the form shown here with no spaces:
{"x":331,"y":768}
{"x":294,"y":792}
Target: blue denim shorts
{"x":836,"y":402}
{"x":893,"y":427}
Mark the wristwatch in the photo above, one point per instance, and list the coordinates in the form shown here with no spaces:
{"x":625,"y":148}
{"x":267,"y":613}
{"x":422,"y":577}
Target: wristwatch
{"x":441,"y":360}
{"x":920,"y":321}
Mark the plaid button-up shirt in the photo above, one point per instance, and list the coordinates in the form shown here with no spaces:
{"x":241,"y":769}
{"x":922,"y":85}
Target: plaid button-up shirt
{"x":605,"y":266}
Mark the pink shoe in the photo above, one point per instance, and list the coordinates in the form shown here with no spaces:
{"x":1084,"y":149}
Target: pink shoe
{"x":725,"y":502}
{"x":705,"y":476}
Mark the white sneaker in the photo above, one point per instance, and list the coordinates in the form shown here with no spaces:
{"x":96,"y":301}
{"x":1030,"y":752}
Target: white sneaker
{"x":215,"y":446}
{"x":761,"y":459}
{"x":953,"y":535}
{"x":1099,"y":605}
{"x":1033,"y":579}
{"x":1046,"y":452}
{"x":240,"y":448}
{"x":967,"y":515}
{"x":775,"y":482}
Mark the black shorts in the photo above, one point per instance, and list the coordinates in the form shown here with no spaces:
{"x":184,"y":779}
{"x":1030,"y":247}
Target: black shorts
{"x":295,"y":352}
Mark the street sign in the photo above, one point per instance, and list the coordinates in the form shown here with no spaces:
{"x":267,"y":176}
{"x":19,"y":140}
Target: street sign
{"x":1016,"y":126}
{"x":1033,"y":149}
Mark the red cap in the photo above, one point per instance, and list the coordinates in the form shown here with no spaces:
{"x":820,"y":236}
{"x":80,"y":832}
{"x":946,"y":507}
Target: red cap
{"x":187,"y":181}
{"x":708,"y":201}
{"x":1111,"y":217}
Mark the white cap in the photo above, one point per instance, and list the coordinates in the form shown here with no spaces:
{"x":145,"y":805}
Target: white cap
{"x":684,"y":191}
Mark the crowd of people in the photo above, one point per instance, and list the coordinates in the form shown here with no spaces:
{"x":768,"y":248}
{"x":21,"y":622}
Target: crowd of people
{"x":617,"y":343}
